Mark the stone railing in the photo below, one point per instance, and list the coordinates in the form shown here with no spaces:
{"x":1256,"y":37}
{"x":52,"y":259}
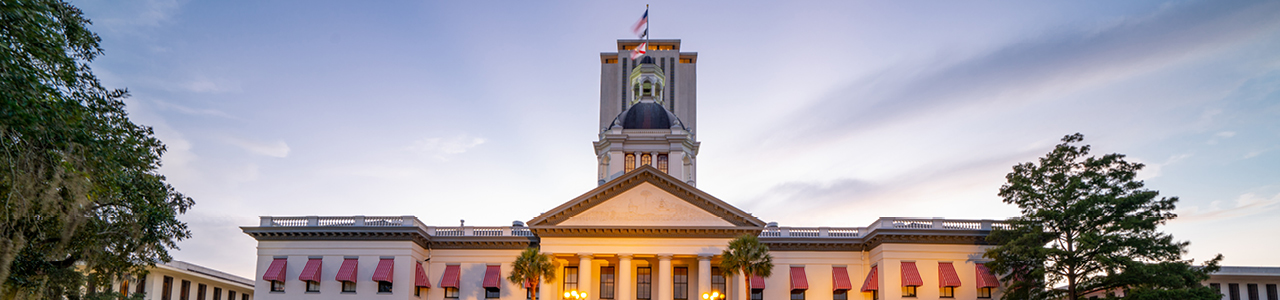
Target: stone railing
{"x":882,"y":223}
{"x":479,"y":231}
{"x":346,"y":221}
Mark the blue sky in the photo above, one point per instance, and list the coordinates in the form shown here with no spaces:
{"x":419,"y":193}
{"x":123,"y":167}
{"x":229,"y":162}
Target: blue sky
{"x":810,"y":114}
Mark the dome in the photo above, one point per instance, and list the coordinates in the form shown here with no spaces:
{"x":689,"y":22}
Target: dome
{"x":646,"y":60}
{"x":646,"y":115}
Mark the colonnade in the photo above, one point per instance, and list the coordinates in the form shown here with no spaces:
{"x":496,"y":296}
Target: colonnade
{"x":624,"y":283}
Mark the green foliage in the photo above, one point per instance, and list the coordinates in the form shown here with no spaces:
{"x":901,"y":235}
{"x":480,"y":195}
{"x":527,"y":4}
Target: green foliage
{"x":746,"y":255}
{"x":79,"y":191}
{"x":1089,"y":224}
{"x":534,"y":266}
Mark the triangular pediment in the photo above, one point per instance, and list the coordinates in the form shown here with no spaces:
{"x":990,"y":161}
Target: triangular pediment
{"x":646,"y":198}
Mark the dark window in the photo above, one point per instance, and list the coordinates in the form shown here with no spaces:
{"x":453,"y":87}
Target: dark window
{"x":644,"y":283}
{"x":840,"y":295}
{"x":1252,"y":288}
{"x":606,"y":282}
{"x":984,"y":293}
{"x":1271,"y":292}
{"x":757,"y":294}
{"x":718,"y":282}
{"x":875,"y":295}
{"x":277,"y":286}
{"x":492,"y":293}
{"x":217,"y":294}
{"x":528,"y":293}
{"x":244,"y":296}
{"x":680,"y":283}
{"x":142,"y":282}
{"x":1233,"y":291}
{"x":948,"y":292}
{"x":200,"y":289}
{"x":167,"y":292}
{"x":185,"y":292}
{"x":384,"y":287}
{"x":231,"y":295}
{"x":348,"y":287}
{"x":570,"y":279}
{"x":797,"y":294}
{"x":417,"y":291}
{"x":313,"y":286}
{"x":1216,"y":288}
{"x":909,"y":291}
{"x":451,"y":292}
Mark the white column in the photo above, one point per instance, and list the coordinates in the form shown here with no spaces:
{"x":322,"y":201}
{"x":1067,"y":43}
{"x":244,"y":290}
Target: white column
{"x":664,"y":276}
{"x":622,"y":286}
{"x":584,"y":275}
{"x":704,"y":276}
{"x":740,"y":287}
{"x":551,"y":290}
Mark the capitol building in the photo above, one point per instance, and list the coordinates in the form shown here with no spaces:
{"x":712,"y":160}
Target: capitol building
{"x":646,"y":232}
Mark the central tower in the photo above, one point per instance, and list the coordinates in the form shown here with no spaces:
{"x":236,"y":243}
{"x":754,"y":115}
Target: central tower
{"x":648,"y":111}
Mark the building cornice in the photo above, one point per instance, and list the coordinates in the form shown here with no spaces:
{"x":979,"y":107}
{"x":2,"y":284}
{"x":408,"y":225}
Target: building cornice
{"x":643,"y":231}
{"x":659,"y":179}
{"x":310,"y":233}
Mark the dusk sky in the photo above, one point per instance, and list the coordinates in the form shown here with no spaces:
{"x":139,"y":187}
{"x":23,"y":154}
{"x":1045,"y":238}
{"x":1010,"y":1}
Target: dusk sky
{"x":810,"y":113}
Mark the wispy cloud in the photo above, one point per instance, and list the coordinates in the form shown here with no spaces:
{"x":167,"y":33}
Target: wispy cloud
{"x":440,"y":148}
{"x":1221,"y":136}
{"x":272,"y":149}
{"x":191,"y":111}
{"x":1153,"y":170}
{"x":1245,"y":205}
{"x":131,"y":15}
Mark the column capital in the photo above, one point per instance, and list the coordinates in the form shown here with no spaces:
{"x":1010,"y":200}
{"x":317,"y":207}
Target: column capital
{"x":586,"y":255}
{"x":626,"y":256}
{"x":705,"y":256}
{"x":665,"y":256}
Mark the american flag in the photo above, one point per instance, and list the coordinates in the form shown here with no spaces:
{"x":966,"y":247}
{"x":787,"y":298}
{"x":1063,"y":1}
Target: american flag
{"x":642,"y":27}
{"x":639,"y":50}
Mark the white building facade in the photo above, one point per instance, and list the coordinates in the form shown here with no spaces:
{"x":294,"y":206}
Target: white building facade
{"x":644,"y":233}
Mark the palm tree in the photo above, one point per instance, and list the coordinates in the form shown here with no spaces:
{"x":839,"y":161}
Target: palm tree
{"x":746,"y":256}
{"x":532,"y":266}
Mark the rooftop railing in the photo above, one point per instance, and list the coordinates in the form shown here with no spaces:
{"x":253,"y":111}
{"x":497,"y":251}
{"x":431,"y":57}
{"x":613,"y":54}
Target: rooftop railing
{"x":521,"y":231}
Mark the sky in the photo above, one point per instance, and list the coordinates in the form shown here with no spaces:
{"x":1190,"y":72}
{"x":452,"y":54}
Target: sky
{"x":811,"y":113}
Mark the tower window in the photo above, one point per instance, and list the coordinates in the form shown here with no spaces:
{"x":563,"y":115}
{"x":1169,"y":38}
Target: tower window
{"x":662,"y":163}
{"x":646,"y":159}
{"x":631,"y":162}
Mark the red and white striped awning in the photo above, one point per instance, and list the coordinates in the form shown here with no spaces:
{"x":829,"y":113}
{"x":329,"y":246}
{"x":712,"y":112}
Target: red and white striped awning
{"x":275,"y":272}
{"x":757,"y":282}
{"x":451,"y":276}
{"x":385,"y":271}
{"x":420,"y":277}
{"x":798,"y":279}
{"x":840,"y":279}
{"x":947,"y":276}
{"x":985,"y":279}
{"x":492,"y":276}
{"x":873,"y":281}
{"x":311,"y":272}
{"x":528,"y":284}
{"x":911,"y":275}
{"x":347,"y":272}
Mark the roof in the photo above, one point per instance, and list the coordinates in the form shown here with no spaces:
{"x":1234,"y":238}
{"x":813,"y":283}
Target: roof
{"x":646,"y":115}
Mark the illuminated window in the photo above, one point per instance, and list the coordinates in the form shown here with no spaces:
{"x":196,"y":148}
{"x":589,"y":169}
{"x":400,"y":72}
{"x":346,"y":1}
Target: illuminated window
{"x":570,"y":278}
{"x":631,"y":162}
{"x":680,"y":282}
{"x":717,"y":278}
{"x":948,"y":292}
{"x":611,"y":60}
{"x":984,"y":293}
{"x":644,"y":283}
{"x":124,"y":288}
{"x":645,"y":159}
{"x":313,"y":286}
{"x":662,"y":166}
{"x":606,"y":282}
{"x":909,"y":291}
{"x":350,"y":287}
{"x":451,"y":292}
{"x":686,"y":60}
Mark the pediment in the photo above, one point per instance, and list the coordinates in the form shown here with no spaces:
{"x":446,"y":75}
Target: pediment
{"x":645,"y":198}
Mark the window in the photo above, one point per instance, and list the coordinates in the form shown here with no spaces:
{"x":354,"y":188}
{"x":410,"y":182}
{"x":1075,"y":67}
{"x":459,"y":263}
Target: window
{"x":570,"y":279}
{"x":528,"y":293}
{"x":644,"y":283}
{"x":313,"y":286}
{"x":1252,"y":288}
{"x":646,"y":159}
{"x":348,"y":287}
{"x":200,"y":289}
{"x":1233,"y":291}
{"x":840,"y":295}
{"x":417,"y":291}
{"x":797,"y":294}
{"x":686,"y":60}
{"x":277,"y":286}
{"x":717,"y":280}
{"x":142,"y":282}
{"x":985,"y":293}
{"x":875,"y":295}
{"x":217,"y":294}
{"x":244,"y":296}
{"x":909,"y":291}
{"x":757,"y":294}
{"x":451,"y":292}
{"x":631,"y":162}
{"x":662,"y":163}
{"x":167,"y":292}
{"x":606,"y":282}
{"x":680,"y":283}
{"x":1216,"y":288}
{"x":948,"y":292}
{"x":185,"y":292}
{"x":1271,"y":292}
{"x":492,"y":293}
{"x":384,"y":287}
{"x":231,"y":295}
{"x":611,"y":60}
{"x":124,"y":287}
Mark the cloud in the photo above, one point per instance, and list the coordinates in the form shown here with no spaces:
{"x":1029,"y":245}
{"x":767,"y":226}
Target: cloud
{"x":272,"y":149}
{"x":191,"y":111}
{"x":129,"y":15}
{"x":1245,"y":205}
{"x":205,"y":85}
{"x":1221,"y":135}
{"x":439,"y":148}
{"x":1153,"y":170}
